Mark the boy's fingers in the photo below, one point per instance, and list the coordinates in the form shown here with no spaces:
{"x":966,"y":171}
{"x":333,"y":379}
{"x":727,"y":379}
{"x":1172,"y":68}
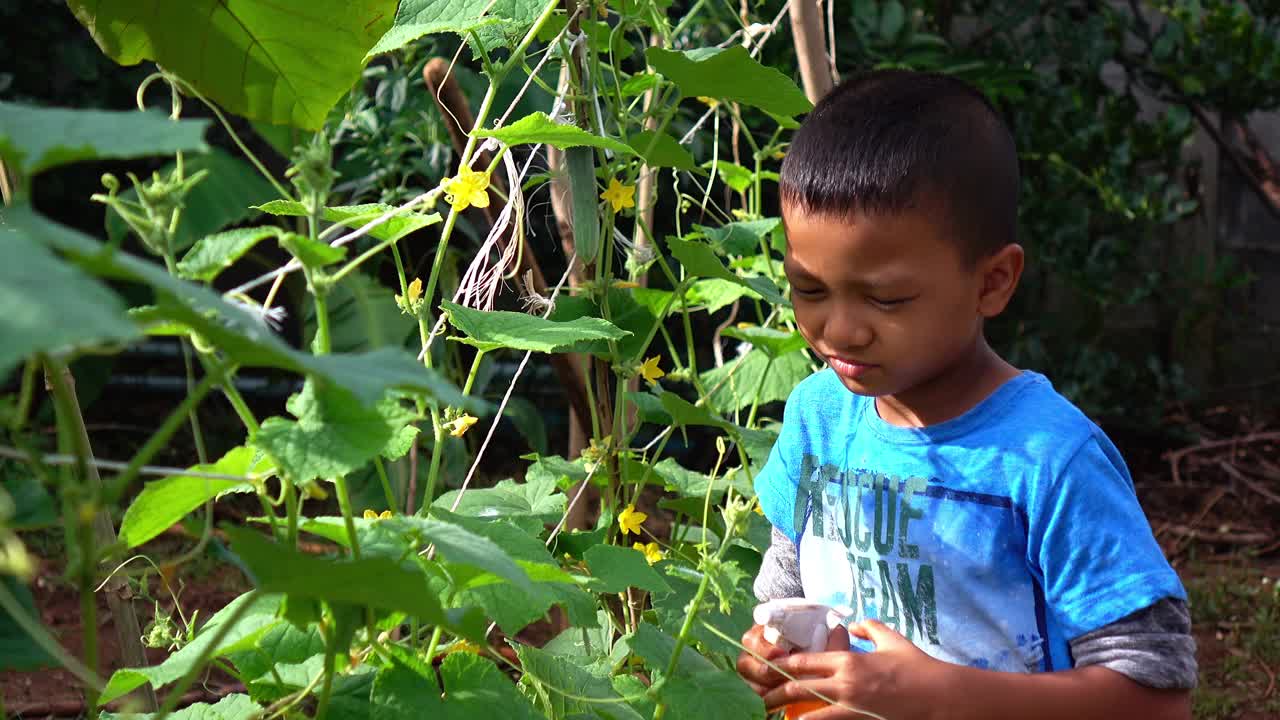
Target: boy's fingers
{"x":822,"y":664}
{"x":798,"y":691}
{"x":877,"y":632}
{"x":756,"y":672}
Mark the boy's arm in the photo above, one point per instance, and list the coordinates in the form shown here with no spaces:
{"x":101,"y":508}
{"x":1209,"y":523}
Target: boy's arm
{"x":779,"y":575}
{"x":899,"y":681}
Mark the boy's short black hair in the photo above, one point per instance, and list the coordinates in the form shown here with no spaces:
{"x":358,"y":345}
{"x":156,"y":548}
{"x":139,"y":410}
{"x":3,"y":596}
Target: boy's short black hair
{"x":891,"y":141}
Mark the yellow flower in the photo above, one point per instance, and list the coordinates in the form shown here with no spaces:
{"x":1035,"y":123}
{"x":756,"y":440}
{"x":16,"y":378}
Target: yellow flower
{"x":468,"y":188}
{"x":759,"y":510}
{"x":630,"y":520}
{"x":459,"y":426}
{"x":650,"y":371}
{"x":412,"y":296}
{"x":708,"y":101}
{"x":651,"y":551}
{"x":619,"y":195}
{"x":371,"y":515}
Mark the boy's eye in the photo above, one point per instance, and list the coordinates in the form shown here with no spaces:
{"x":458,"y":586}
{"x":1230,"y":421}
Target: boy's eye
{"x":806,"y":292}
{"x":890,"y":302}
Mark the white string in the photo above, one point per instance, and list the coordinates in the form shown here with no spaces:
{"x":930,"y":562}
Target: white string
{"x":158,"y":470}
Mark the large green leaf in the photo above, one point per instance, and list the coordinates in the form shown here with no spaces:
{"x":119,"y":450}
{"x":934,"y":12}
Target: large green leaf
{"x":661,"y":150}
{"x":755,"y":376}
{"x":700,"y":260}
{"x":538,"y":127}
{"x":500,"y":328}
{"x":355,"y":216}
{"x":719,"y":695}
{"x":254,"y":619}
{"x":17,"y":650}
{"x":231,"y":707}
{"x":530,"y":504}
{"x":224,"y":197}
{"x":504,"y":20}
{"x":373,"y":582}
{"x":235,"y":331}
{"x":574,"y":682}
{"x":731,"y":74}
{"x":742,"y":237}
{"x":773,"y":343}
{"x":32,"y":505}
{"x":33,"y":139}
{"x":620,"y":568}
{"x":656,"y":647}
{"x":683,"y":412}
{"x":634,"y":310}
{"x":285,"y":63}
{"x":214,"y":253}
{"x":164,"y":502}
{"x":475,"y":688}
{"x":334,"y":433}
{"x":49,"y":304}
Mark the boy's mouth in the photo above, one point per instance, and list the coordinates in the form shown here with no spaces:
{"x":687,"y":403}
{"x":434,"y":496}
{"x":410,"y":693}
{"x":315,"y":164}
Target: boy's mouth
{"x":848,"y":368}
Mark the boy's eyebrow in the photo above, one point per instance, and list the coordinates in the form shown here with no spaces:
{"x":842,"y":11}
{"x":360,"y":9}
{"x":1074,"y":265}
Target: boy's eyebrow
{"x":874,"y":282}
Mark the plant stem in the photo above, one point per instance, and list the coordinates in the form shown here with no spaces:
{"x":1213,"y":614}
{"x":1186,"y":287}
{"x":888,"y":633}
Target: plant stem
{"x":175,"y":695}
{"x":320,"y":345}
{"x":330,"y":662}
{"x":392,"y":505}
{"x":344,"y":504}
{"x":434,"y":642}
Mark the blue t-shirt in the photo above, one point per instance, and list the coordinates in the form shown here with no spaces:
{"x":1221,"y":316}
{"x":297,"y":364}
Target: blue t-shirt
{"x":988,"y":540}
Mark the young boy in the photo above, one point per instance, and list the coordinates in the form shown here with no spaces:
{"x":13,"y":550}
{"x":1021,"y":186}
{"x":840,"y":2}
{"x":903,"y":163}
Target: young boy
{"x":968,"y":520}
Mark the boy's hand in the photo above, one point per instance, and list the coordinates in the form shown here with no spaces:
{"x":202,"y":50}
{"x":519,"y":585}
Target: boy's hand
{"x":892,"y":681}
{"x":758,"y":675}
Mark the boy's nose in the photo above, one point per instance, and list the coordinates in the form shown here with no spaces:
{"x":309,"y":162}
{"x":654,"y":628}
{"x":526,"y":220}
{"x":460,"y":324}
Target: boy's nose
{"x":845,"y":330}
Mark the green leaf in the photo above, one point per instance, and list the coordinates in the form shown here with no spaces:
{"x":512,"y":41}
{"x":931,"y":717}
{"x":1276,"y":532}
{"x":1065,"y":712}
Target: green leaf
{"x":373,"y":582}
{"x":32,"y":506}
{"x":892,"y":18}
{"x":50,"y":304}
{"x":562,"y":673}
{"x":253,"y":622}
{"x":656,"y":648}
{"x":537,"y":498}
{"x":739,"y":390}
{"x":538,"y":127}
{"x":713,"y":294}
{"x":17,"y":650}
{"x":742,"y":237}
{"x":620,"y":568}
{"x":282,"y":63}
{"x":730,"y":74}
{"x":500,"y":328}
{"x":634,"y":310}
{"x":719,"y":695}
{"x":666,"y":150}
{"x":459,"y":545}
{"x":355,"y":216}
{"x":683,"y":412}
{"x":312,"y":253}
{"x":224,"y":197}
{"x":215,"y":253}
{"x":701,"y":260}
{"x":773,"y":343}
{"x":400,"y":693}
{"x":416,"y":18}
{"x":34,"y":139}
{"x":231,"y":707}
{"x":734,"y":175}
{"x":164,"y":502}
{"x":239,"y":335}
{"x":333,"y":434}
{"x":476,"y":688}
{"x":363,"y":315}
{"x":282,"y":643}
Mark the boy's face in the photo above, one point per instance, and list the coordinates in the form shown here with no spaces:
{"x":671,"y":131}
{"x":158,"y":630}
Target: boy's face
{"x":889,"y":303}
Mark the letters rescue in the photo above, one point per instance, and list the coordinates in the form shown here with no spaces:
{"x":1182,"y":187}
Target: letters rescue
{"x":869,"y":514}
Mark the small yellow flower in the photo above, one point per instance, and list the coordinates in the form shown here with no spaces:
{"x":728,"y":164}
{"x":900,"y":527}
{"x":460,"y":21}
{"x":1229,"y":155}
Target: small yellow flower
{"x":631,"y":519}
{"x":650,"y":371}
{"x":371,"y":515}
{"x":651,"y":551}
{"x":759,"y":510}
{"x":708,"y":101}
{"x":459,"y":426}
{"x":412,"y":297}
{"x":619,"y":195}
{"x":468,"y":188}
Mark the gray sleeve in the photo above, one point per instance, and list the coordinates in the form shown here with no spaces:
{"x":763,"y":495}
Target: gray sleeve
{"x":1152,"y":647}
{"x":779,"y":571}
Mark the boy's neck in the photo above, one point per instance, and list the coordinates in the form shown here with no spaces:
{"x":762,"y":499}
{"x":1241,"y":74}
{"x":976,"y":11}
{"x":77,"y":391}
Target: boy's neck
{"x":950,"y":394}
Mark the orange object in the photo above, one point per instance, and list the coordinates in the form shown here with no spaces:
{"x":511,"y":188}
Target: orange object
{"x":795,"y":710}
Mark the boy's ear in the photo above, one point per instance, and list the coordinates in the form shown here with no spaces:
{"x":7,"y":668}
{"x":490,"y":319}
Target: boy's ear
{"x":1000,"y":273}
